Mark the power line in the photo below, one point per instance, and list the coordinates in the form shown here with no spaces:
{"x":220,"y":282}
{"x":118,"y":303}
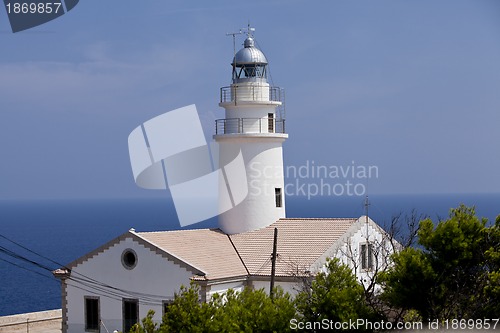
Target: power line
{"x":29,"y":250}
{"x":99,"y":287}
{"x":22,"y":258}
{"x":30,"y":270}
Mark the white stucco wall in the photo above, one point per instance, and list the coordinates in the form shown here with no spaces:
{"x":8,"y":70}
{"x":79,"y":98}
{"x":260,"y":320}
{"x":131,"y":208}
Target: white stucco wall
{"x":153,"y":275}
{"x":222,"y":288}
{"x":350,"y":251}
{"x":288,"y":287}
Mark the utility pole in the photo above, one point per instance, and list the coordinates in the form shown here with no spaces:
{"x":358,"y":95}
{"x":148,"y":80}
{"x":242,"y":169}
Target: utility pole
{"x":273,"y":263}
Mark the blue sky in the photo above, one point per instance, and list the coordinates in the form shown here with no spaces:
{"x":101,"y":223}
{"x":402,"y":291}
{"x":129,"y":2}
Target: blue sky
{"x":412,"y":87}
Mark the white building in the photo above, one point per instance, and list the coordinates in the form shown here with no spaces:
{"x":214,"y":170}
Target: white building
{"x":115,"y":285}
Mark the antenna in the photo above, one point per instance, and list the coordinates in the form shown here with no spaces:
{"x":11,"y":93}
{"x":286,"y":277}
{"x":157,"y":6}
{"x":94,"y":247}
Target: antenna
{"x":367,"y":204}
{"x":234,"y":48}
{"x":248,"y":30}
{"x":234,"y":38}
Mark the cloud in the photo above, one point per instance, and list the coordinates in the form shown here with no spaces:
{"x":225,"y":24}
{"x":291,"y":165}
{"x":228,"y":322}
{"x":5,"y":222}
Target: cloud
{"x":103,"y":77}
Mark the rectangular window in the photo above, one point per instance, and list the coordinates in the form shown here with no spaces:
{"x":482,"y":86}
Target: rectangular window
{"x":130,"y":313}
{"x":279,"y":199}
{"x":270,"y":122}
{"x":92,"y":314}
{"x":367,"y":256}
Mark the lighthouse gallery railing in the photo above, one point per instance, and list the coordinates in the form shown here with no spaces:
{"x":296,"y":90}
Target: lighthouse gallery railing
{"x":249,"y":125}
{"x":236,"y":93}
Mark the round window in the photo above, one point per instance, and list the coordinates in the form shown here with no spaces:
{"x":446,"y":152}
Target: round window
{"x":129,"y":258}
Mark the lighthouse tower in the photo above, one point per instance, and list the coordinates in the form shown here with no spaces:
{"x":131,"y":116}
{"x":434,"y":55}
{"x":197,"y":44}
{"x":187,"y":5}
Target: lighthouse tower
{"x":254,"y":125}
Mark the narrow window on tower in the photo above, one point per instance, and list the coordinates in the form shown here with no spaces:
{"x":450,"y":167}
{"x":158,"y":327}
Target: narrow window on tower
{"x":279,"y":199}
{"x":92,"y":314}
{"x":270,"y":122}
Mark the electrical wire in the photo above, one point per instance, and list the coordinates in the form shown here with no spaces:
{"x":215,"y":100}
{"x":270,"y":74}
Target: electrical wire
{"x":30,"y":270}
{"x":29,"y":250}
{"x":101,"y":288}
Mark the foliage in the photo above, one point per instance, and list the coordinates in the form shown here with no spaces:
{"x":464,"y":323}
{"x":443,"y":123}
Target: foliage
{"x":491,"y":290}
{"x":454,"y":274}
{"x":246,"y":311}
{"x":253,"y":311}
{"x":187,"y":313}
{"x":148,"y":325}
{"x":406,"y":281}
{"x":399,"y":234}
{"x":335,"y":295}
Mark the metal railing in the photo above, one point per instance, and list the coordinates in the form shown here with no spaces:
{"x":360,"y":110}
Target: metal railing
{"x":239,"y":93}
{"x":249,"y":125}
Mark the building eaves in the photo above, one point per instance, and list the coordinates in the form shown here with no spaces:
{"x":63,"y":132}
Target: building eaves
{"x":134,"y":236}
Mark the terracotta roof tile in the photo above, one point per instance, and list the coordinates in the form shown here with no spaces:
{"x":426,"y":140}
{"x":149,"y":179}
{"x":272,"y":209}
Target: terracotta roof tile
{"x":300,"y":243}
{"x":207,"y":249}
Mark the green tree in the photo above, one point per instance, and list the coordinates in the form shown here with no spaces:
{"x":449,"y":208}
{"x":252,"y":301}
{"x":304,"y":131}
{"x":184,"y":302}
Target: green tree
{"x":452,"y":274}
{"x":246,"y":311}
{"x":148,"y":325}
{"x":491,"y":290}
{"x":187,"y":314}
{"x":406,"y":282}
{"x":334,"y":295}
{"x":253,"y":311}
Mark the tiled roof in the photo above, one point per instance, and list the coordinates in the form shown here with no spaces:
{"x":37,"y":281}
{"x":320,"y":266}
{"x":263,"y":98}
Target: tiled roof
{"x":300,"y":243}
{"x":209,"y":250}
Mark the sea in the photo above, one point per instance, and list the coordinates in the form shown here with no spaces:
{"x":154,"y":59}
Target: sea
{"x":37,"y":236}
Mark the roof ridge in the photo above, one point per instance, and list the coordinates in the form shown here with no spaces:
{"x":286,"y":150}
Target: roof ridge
{"x":181,"y":261}
{"x":238,"y":253}
{"x":177,"y":230}
{"x":316,"y":218}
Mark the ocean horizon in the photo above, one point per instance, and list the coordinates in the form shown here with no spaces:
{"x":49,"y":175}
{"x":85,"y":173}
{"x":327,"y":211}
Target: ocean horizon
{"x":64,"y":230}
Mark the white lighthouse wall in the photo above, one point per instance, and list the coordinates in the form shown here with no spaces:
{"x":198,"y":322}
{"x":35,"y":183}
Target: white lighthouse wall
{"x":249,"y":118}
{"x":250,"y":91}
{"x":250,"y":111}
{"x":263,"y":159}
{"x":153,"y":275}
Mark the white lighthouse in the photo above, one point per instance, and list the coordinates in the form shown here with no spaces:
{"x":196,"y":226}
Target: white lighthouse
{"x":254,"y":125}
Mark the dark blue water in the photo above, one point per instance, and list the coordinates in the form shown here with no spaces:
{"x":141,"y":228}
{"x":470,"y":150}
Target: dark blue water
{"x":65,"y":230}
